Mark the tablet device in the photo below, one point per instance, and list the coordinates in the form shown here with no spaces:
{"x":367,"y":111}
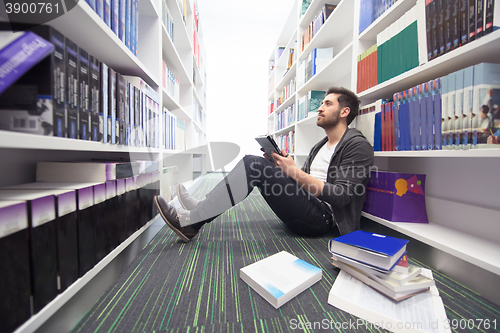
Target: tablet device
{"x":267,"y":142}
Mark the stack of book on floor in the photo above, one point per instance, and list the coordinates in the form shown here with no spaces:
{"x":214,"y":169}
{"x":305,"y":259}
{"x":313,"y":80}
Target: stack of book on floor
{"x":381,"y":262}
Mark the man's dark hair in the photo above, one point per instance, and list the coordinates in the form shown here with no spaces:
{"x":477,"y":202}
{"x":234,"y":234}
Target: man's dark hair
{"x":346,"y":99}
{"x":485,"y":109}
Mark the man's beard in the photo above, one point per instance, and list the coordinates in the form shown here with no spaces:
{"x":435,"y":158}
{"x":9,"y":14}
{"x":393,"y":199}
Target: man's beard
{"x":329,"y":123}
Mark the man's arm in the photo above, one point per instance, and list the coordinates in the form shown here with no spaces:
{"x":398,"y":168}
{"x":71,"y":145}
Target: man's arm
{"x":308,"y":182}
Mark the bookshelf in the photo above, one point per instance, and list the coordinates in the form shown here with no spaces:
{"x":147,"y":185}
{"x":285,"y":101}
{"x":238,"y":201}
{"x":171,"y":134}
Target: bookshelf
{"x":460,"y":195}
{"x":21,"y":151}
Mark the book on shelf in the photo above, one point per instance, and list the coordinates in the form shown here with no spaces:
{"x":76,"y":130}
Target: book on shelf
{"x":468,"y":107}
{"x":351,"y":295}
{"x":280,"y":277}
{"x":35,"y":102}
{"x":14,"y":244}
{"x":94,"y":171}
{"x":103,"y":102}
{"x":389,"y":288}
{"x":43,"y":243}
{"x":486,"y":105}
{"x":71,"y":58}
{"x":15,"y":61}
{"x":84,"y":121}
{"x":373,"y":249}
{"x":111,"y":106}
{"x":94,"y":99}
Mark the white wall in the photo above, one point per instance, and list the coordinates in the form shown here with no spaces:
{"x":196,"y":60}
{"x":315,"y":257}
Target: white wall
{"x":239,"y":37}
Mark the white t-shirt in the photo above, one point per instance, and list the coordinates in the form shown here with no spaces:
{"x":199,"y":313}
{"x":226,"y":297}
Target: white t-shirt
{"x":319,"y":166}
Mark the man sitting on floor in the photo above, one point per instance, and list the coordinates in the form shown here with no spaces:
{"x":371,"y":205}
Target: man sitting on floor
{"x":328,"y":191}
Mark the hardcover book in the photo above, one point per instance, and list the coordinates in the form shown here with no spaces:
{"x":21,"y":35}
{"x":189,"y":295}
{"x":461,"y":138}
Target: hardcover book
{"x":100,"y":222}
{"x":94,"y":99}
{"x":83,"y":95}
{"x":15,"y":283}
{"x":464,"y":21}
{"x":111,"y":106}
{"x":66,"y":229}
{"x":280,"y":277}
{"x":373,"y":249}
{"x":486,"y":104}
{"x":71,"y":58}
{"x":43,"y":243}
{"x":14,"y":60}
{"x":103,"y":103}
{"x":35,"y":103}
{"x":120,"y":108}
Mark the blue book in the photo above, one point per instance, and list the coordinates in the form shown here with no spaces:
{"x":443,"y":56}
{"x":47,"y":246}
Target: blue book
{"x":14,"y":60}
{"x":423,"y":116}
{"x":115,"y":16}
{"x":404,"y":121}
{"x":106,"y":13}
{"x":111,"y":106}
{"x":91,"y":4}
{"x":468,"y":98}
{"x":377,"y":135}
{"x":103,"y":103}
{"x":136,"y":26}
{"x":429,"y":109}
{"x":373,"y":249}
{"x":452,"y":84}
{"x":122,"y":4}
{"x":459,"y":112}
{"x":99,"y":8}
{"x":444,"y":110}
{"x":128,"y":13}
{"x":438,"y":118}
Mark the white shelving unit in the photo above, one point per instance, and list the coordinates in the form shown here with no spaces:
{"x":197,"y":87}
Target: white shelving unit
{"x":461,"y":185}
{"x":21,"y":152}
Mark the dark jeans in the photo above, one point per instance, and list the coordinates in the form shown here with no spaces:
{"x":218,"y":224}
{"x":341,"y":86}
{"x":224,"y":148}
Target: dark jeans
{"x":299,"y":210}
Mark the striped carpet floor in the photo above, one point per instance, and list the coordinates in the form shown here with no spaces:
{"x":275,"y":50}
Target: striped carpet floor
{"x":195,"y":287}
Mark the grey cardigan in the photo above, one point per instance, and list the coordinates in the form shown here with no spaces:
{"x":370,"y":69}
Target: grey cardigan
{"x":348,"y":175}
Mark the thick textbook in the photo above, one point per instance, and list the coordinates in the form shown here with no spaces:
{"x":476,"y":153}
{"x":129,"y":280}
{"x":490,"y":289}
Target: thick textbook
{"x":370,"y":248}
{"x":280,"y":277}
{"x":424,"y":312}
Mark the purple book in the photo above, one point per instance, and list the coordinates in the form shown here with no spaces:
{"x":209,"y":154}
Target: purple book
{"x":19,"y":55}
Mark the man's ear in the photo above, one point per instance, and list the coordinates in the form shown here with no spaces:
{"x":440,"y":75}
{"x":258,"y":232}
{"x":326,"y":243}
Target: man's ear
{"x":345,"y":112}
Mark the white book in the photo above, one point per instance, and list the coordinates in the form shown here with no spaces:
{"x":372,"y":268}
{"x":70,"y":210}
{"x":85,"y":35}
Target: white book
{"x":424,"y":312}
{"x":382,"y":288}
{"x":393,"y":276}
{"x":280,"y":277}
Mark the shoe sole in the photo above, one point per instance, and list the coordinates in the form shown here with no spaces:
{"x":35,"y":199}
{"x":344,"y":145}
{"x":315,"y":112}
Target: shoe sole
{"x":174,"y":229}
{"x":179,"y":198}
